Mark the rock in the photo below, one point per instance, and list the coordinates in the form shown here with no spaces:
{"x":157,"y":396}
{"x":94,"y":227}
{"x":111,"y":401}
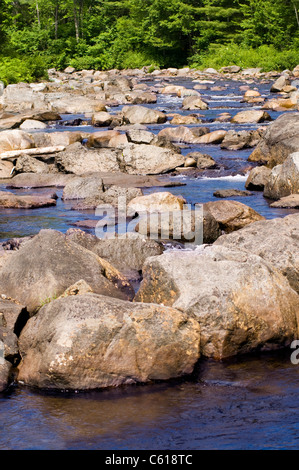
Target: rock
{"x":12,"y":201}
{"x":274,"y":240}
{"x":136,"y":97}
{"x":241,"y":302}
{"x":251,"y":94}
{"x":210,"y":70}
{"x":238,"y":140}
{"x":189,"y":226}
{"x":49,"y":264}
{"x":288,"y":202}
{"x":249,"y":116}
{"x":279,"y":141}
{"x":179,"y":120}
{"x":126,"y":254}
{"x":139,"y":136}
{"x":6,"y":169}
{"x":110,"y":196}
{"x":194,"y":102}
{"x":69,"y":70}
{"x":258,"y":178}
{"x":215,"y":137}
{"x":279,"y":84}
{"x":83,"y":187}
{"x":15,"y":140}
{"x":9,"y":343}
{"x":13,"y":315}
{"x":64,"y":138}
{"x":143,"y":115}
{"x":5,"y":375}
{"x":156,"y":202}
{"x":232,"y":215}
{"x":179,"y":134}
{"x":203,"y":161}
{"x":224,"y":193}
{"x":36,"y":180}
{"x":252,"y":71}
{"x":33,"y":124}
{"x":231,"y":69}
{"x":107,"y":139}
{"x":21,"y":97}
{"x":78,"y":160}
{"x":79,"y":288}
{"x":149,"y":160}
{"x":172,"y":89}
{"x":284,"y":179}
{"x":101,"y":119}
{"x":28,"y":164}
{"x":91,"y":341}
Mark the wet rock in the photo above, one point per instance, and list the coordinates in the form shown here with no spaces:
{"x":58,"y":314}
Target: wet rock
{"x":232,"y":215}
{"x":11,"y":201}
{"x":143,"y":115}
{"x":91,"y":341}
{"x":203,"y":161}
{"x":284,"y":179}
{"x":83,"y":187}
{"x":224,"y":193}
{"x":275,"y":240}
{"x":9,"y":344}
{"x":251,"y":116}
{"x":241,"y":302}
{"x":279,"y":141}
{"x":49,"y":264}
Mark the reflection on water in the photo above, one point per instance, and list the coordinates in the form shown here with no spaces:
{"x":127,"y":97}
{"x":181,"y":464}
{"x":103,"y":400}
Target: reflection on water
{"x":245,"y":404}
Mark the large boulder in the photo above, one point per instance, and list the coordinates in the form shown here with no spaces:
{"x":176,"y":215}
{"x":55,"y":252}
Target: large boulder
{"x":279,"y":141}
{"x":238,"y":140}
{"x":38,"y":180}
{"x":79,"y":160}
{"x":276,"y":241}
{"x":180,"y":134}
{"x":284,"y":179}
{"x":232,"y":215}
{"x":143,"y":115}
{"x":258,"y":178}
{"x":48,"y":264}
{"x":15,"y":140}
{"x":251,"y":116}
{"x":28,"y":164}
{"x":92,"y":341}
{"x":241,"y":302}
{"x":156,"y":202}
{"x":13,"y":315}
{"x":149,"y":159}
{"x":6,"y":169}
{"x":194,"y":103}
{"x":127,"y":253}
{"x":53,"y":139}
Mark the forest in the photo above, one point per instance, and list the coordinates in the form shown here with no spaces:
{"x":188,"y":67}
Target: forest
{"x":104,"y":34}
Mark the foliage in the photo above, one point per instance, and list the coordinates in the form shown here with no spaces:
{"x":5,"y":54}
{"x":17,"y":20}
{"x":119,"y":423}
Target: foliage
{"x":14,"y":70}
{"x":105,"y":34}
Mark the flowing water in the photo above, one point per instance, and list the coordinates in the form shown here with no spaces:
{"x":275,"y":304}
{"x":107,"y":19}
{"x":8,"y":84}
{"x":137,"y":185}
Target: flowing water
{"x":249,"y":403}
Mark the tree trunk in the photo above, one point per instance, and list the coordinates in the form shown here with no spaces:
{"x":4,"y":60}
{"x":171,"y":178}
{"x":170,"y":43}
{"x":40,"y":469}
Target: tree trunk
{"x":56,"y":20}
{"x":76,"y":20}
{"x":37,"y":14}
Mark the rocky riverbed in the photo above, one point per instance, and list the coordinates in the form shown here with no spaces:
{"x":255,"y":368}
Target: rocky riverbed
{"x":79,"y":312}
